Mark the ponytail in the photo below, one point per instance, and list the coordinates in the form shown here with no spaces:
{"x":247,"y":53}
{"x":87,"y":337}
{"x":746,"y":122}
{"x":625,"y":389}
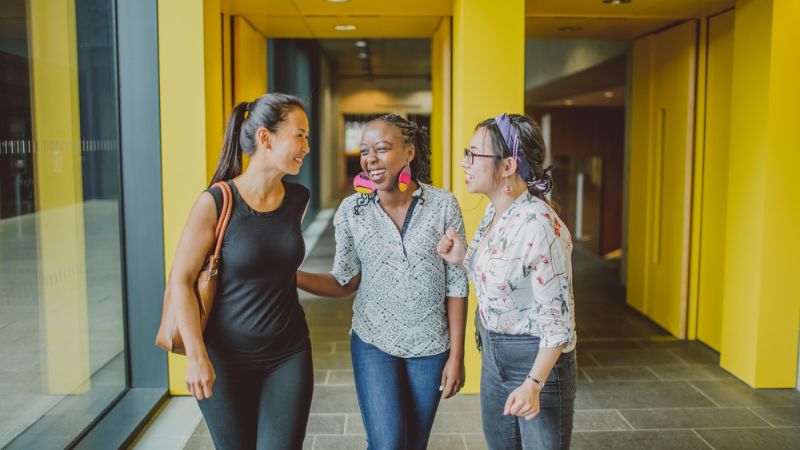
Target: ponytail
{"x":268,"y":111}
{"x":230,"y":159}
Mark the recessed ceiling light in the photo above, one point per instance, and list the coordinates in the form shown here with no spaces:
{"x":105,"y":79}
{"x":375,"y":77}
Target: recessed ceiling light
{"x":615,"y":2}
{"x":337,"y":1}
{"x":569,"y":29}
{"x":608,"y":94}
{"x":363,"y":55}
{"x":361,"y":44}
{"x":568,"y":102}
{"x":347,"y":27}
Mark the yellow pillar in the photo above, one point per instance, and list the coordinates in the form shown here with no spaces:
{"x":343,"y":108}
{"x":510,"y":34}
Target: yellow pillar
{"x":488,"y":79}
{"x":249,"y":61}
{"x":441,"y":117}
{"x":761,"y":298}
{"x":189,"y":118}
{"x":214,"y":98}
{"x":59,"y":196}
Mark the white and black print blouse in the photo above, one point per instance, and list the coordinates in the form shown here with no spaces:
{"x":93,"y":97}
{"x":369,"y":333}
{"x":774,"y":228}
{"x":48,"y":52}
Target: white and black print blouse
{"x":400,"y":304}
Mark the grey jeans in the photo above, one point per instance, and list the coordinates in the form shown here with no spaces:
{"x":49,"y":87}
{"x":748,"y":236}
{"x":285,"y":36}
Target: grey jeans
{"x":506,"y":361}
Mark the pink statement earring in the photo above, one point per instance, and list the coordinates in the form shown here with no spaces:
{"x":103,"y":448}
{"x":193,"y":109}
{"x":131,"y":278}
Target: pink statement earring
{"x":507,"y":188}
{"x":363,"y":184}
{"x":404,"y":179}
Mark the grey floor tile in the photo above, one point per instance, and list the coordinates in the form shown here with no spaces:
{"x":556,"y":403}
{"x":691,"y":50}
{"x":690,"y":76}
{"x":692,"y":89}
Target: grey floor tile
{"x":341,"y":377}
{"x":354,"y":424}
{"x":457,"y":422}
{"x":334,"y":399}
{"x":780,"y":416}
{"x":619,"y":374}
{"x":609,"y":344}
{"x":461,"y":403}
{"x":600,"y":420}
{"x":202,"y":429}
{"x":636,"y":358}
{"x":199,"y":443}
{"x":338,"y":361}
{"x":639,"y":394}
{"x":340,"y":442}
{"x":691,"y":373}
{"x":753,"y":438}
{"x":643,"y":419}
{"x":693,"y":352}
{"x":447,"y":442}
{"x":736,"y":393}
{"x":320,"y":377}
{"x":637,"y":440}
{"x":475,"y":442}
{"x":326,"y":424}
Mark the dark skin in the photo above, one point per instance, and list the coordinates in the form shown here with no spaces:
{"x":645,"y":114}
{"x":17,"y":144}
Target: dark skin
{"x":384,"y":154}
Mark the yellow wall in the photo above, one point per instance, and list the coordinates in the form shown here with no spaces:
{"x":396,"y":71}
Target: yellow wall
{"x":215,"y":109}
{"x":761,"y":303}
{"x":660,"y":182}
{"x":249,"y":62}
{"x":55,"y":106}
{"x":713,"y":186}
{"x":183,"y":113}
{"x":488,"y":56}
{"x":441,"y":117}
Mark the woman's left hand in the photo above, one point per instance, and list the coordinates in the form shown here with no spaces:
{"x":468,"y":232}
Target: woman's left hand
{"x":452,"y":377}
{"x":524,"y":401}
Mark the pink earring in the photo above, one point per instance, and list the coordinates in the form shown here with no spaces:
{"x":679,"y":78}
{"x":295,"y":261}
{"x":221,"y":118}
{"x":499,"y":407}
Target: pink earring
{"x":404,"y":179}
{"x":507,"y":189}
{"x":363,"y":184}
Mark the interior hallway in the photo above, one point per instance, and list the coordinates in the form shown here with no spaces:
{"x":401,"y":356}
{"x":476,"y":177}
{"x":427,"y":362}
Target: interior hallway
{"x":638,"y":388}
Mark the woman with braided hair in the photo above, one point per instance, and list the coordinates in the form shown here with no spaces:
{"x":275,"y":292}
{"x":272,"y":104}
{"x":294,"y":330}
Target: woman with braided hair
{"x":520,"y":264}
{"x":407,"y":336}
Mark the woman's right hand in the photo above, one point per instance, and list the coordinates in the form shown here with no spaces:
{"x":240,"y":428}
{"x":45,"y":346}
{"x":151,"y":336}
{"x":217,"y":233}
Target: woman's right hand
{"x":200,"y":377}
{"x":451,"y":249}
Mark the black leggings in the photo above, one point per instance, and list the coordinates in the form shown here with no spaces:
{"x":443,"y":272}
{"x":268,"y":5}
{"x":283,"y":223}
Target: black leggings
{"x":260,"y":406}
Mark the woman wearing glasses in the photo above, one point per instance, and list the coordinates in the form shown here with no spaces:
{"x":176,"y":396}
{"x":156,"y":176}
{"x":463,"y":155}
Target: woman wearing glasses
{"x":520,"y":263}
{"x":407,"y":338}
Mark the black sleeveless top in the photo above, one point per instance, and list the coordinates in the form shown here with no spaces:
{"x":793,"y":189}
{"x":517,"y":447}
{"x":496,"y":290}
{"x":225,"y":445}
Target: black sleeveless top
{"x":257,"y":312}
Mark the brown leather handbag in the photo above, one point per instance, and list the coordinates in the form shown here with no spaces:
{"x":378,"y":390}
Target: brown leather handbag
{"x":169,"y":337}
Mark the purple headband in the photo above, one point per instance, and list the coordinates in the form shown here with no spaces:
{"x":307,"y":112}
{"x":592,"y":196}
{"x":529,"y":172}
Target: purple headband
{"x":511,"y":139}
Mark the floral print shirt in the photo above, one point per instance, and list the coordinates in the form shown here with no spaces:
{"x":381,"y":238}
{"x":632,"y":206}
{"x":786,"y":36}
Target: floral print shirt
{"x":523,"y":273}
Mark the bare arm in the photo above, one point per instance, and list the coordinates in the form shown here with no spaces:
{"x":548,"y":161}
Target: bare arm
{"x":197,"y":238}
{"x":453,"y":375}
{"x":524,"y":401}
{"x":325,"y":285}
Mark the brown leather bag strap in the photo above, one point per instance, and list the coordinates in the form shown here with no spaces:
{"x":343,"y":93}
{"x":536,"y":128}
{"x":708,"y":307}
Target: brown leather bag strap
{"x":224,"y":216}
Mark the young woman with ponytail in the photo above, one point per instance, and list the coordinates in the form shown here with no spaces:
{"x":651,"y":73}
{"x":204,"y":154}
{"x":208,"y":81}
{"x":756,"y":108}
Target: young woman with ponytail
{"x":520,"y":264}
{"x":407,"y":336}
{"x":251,"y":370}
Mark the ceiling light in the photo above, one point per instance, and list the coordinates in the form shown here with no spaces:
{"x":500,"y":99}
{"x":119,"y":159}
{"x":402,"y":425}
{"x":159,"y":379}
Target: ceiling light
{"x":347,"y":27}
{"x":337,"y":1}
{"x":569,"y":29}
{"x":361,"y":44}
{"x":608,"y":94}
{"x":568,"y":102}
{"x":363,"y":55}
{"x":615,"y":2}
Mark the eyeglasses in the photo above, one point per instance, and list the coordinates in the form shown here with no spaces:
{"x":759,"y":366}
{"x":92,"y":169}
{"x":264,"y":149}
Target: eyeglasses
{"x":469,"y":155}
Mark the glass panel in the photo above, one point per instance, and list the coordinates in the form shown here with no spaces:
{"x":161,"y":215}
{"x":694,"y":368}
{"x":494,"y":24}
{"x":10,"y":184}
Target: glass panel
{"x":61,"y":320}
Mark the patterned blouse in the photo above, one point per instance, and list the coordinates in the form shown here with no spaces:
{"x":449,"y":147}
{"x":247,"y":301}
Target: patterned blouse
{"x":400,"y":303}
{"x":523,"y":273}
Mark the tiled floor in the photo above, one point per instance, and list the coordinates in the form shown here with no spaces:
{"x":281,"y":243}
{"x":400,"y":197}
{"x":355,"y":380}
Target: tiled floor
{"x":638,"y":388}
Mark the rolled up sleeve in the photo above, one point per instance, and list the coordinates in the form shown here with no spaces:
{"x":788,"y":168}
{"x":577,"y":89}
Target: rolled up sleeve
{"x":346,"y":264}
{"x":550,"y":284}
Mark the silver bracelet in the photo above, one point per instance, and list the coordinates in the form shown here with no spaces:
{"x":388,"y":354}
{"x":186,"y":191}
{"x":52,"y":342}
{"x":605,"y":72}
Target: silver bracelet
{"x":538,"y":383}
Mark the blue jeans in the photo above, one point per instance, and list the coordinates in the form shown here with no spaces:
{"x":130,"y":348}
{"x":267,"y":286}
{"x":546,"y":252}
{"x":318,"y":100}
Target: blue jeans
{"x":506,"y":361}
{"x":398,"y":396}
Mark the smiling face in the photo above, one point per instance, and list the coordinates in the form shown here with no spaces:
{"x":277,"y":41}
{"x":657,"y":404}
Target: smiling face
{"x":289,"y":144}
{"x":384,"y":154}
{"x":480,"y":175}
